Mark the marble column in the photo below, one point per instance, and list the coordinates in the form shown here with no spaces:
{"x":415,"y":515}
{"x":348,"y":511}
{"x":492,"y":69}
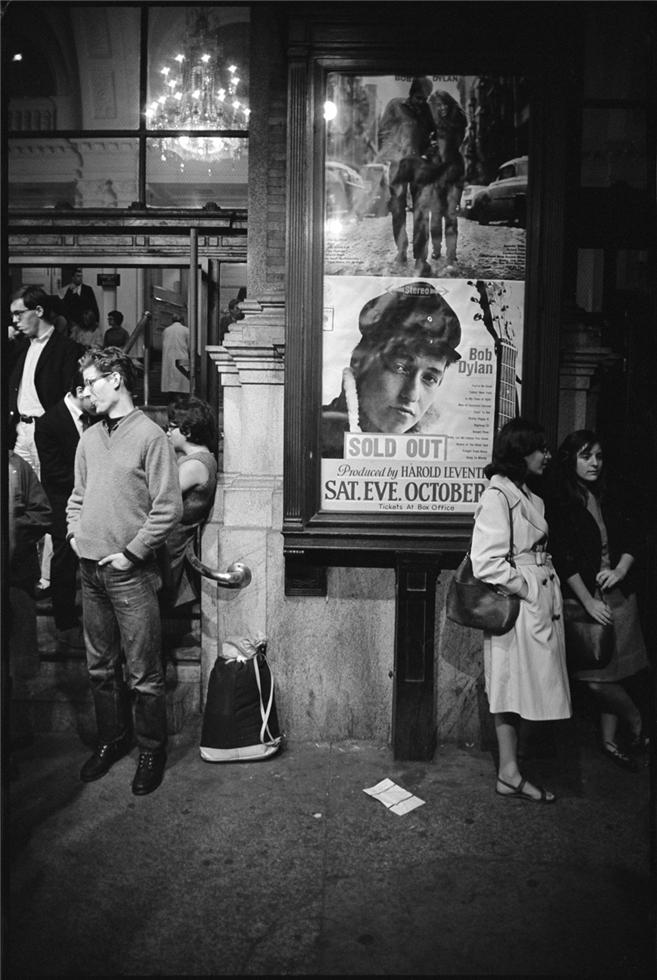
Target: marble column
{"x":248,"y":507}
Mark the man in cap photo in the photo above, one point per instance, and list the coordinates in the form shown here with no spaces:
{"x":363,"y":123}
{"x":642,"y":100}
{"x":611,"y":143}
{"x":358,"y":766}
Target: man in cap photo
{"x":404,"y":133}
{"x":409,"y":337}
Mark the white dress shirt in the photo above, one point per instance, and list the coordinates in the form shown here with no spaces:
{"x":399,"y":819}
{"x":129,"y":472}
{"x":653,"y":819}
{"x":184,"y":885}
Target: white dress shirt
{"x":28,"y":400}
{"x":76,"y":413}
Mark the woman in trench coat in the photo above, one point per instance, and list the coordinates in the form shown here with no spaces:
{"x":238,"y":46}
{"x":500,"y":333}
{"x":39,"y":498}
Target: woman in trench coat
{"x":525,"y":669}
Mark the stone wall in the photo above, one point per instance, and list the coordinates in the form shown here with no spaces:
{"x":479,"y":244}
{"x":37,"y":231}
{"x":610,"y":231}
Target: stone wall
{"x":332,"y":657}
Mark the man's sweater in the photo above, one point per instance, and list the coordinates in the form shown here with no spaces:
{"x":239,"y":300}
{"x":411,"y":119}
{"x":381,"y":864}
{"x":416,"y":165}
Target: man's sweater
{"x":126,"y":493}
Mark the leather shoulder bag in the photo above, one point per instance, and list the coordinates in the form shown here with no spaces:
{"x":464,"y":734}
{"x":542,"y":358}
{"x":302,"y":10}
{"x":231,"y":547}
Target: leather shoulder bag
{"x":477,"y":604}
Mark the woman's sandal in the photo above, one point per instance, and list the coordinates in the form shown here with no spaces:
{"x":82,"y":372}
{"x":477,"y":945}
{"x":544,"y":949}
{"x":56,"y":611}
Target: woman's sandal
{"x":519,"y":794}
{"x":611,"y":750}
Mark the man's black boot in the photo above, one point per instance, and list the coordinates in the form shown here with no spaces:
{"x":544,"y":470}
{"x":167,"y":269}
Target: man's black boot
{"x":104,"y":757}
{"x":150,"y":770}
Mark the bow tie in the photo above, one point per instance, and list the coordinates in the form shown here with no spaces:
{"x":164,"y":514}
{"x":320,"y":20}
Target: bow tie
{"x":74,"y":289}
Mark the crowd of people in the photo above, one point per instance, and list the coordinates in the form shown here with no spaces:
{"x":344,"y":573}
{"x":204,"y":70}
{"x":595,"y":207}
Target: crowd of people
{"x":122,"y":499}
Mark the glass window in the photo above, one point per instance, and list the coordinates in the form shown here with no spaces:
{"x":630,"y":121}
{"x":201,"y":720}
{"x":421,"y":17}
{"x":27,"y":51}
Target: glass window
{"x":198,"y":68}
{"x":79,"y":73}
{"x":190,"y":172}
{"x":426,"y":188}
{"x":72,"y":67}
{"x":614,"y":150}
{"x":94,"y":172}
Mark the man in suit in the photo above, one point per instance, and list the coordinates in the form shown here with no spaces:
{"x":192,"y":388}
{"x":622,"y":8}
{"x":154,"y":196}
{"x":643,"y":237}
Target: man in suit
{"x":77,"y":298}
{"x":57,"y":435}
{"x":41,"y":374}
{"x":42,"y":371}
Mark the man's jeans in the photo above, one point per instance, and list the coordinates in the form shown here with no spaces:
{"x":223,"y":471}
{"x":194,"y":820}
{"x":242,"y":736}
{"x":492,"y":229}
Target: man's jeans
{"x":121,"y":612}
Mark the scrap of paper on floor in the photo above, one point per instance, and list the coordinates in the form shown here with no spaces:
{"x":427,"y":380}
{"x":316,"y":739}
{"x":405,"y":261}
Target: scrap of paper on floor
{"x":394,"y":797}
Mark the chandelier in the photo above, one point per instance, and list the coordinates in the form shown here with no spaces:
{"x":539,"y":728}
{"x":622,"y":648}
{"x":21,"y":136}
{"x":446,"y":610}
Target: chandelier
{"x":199,"y":90}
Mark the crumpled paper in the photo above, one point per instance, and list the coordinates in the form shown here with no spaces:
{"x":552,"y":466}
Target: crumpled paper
{"x":394,"y":797}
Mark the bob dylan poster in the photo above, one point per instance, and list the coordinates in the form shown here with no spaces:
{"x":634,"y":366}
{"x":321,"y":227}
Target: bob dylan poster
{"x":424,"y":263}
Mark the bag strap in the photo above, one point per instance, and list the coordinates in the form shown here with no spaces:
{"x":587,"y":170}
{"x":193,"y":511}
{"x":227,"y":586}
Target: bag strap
{"x":264,"y":712}
{"x":509,"y":556}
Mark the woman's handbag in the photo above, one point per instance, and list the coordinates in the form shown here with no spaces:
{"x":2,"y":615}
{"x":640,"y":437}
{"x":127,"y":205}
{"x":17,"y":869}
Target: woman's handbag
{"x":479,"y":605}
{"x":589,"y":645}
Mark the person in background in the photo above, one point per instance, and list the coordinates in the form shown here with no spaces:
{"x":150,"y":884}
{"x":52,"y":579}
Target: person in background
{"x":596,"y":535}
{"x":444,"y":196}
{"x":192,"y":434}
{"x":525,"y":669}
{"x":116,"y":335}
{"x":404,"y":133}
{"x":89,"y":333}
{"x":57,"y":435}
{"x":29,"y":517}
{"x":231,"y":315}
{"x":17,"y":344}
{"x":41,"y":373}
{"x":43,"y":368}
{"x":78,"y":297}
{"x":125,"y":501}
{"x":175,"y":347}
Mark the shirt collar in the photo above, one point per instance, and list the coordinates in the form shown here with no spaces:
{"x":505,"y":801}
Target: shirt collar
{"x":44,"y":338}
{"x":111,"y":423}
{"x":72,"y":407}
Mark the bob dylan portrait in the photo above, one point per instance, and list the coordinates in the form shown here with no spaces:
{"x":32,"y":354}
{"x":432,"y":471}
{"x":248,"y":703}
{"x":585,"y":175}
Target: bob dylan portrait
{"x":409,"y":337}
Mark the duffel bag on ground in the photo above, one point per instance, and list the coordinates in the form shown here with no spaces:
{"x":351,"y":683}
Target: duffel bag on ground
{"x":240,"y":723}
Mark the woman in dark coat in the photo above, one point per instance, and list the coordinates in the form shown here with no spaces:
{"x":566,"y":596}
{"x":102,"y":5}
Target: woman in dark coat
{"x":594,"y":541}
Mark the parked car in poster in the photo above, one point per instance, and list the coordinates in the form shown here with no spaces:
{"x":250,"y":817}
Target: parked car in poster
{"x":344,"y":189}
{"x":504,"y":199}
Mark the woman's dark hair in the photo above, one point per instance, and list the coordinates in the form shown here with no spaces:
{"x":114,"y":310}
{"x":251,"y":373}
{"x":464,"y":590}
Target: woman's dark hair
{"x":568,"y":487}
{"x":515,"y":440}
{"x":194,"y":418}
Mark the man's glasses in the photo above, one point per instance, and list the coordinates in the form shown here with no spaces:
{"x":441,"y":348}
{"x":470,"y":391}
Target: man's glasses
{"x":90,"y":382}
{"x":18,"y":314}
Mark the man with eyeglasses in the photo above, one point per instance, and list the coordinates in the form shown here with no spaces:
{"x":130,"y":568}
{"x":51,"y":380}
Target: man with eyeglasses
{"x":125,"y":501}
{"x":41,"y":373}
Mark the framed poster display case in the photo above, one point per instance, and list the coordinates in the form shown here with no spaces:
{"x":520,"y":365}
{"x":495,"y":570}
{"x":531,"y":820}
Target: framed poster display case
{"x":424,"y":256}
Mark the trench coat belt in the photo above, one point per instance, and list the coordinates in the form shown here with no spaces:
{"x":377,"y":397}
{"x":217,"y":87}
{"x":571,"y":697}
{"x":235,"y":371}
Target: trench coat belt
{"x":533,"y":558}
